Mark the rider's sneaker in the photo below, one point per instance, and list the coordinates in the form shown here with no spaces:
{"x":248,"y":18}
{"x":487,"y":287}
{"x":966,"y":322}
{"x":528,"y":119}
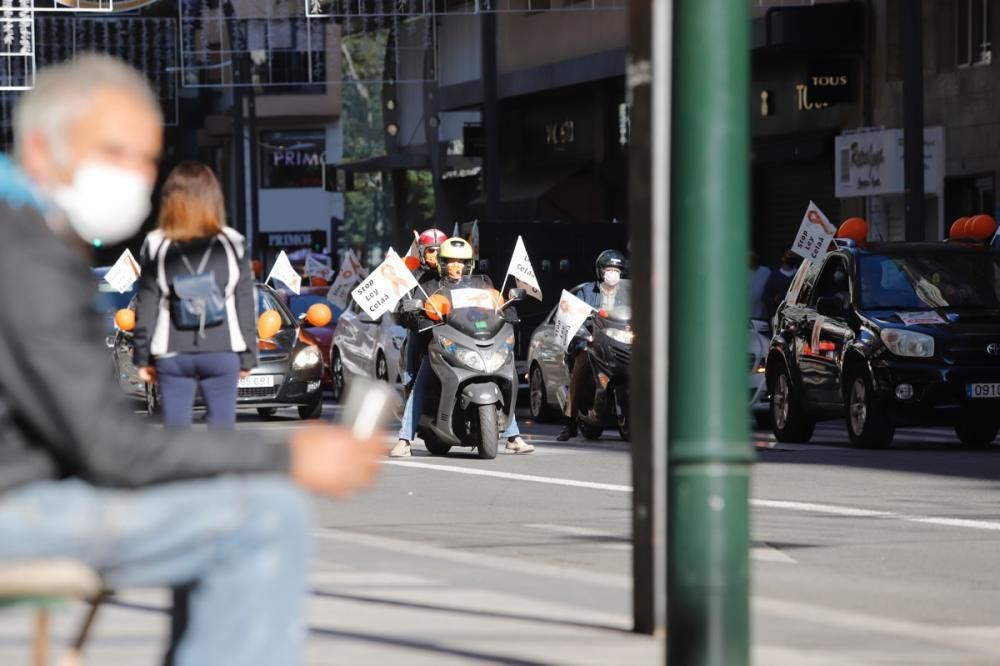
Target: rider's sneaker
{"x":401,"y":450}
{"x":518,"y":445}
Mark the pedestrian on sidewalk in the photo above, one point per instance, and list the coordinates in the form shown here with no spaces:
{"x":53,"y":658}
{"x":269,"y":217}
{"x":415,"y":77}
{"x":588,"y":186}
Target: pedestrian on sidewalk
{"x":759,"y":275}
{"x":223,"y":518}
{"x":193,"y":248}
{"x":779,"y":281}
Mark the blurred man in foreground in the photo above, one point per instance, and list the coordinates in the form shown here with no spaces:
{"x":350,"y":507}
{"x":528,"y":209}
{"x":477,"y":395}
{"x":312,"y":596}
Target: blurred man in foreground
{"x":221,"y":516}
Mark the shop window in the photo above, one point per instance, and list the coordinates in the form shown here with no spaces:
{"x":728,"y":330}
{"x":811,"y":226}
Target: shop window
{"x":973,"y":36}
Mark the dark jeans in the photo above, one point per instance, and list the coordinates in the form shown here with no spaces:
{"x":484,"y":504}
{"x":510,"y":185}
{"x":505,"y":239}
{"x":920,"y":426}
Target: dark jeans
{"x":217,"y":373}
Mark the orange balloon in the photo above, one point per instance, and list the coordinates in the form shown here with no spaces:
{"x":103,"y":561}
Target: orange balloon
{"x":854,"y":228}
{"x":319,"y":314}
{"x":981,"y":227}
{"x":413,"y":263}
{"x":125,"y":319}
{"x":268,"y":324}
{"x":437,"y":306}
{"x":956,"y":227}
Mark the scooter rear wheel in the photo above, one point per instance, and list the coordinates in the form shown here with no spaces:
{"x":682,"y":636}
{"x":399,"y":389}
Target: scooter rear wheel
{"x":489,"y":434}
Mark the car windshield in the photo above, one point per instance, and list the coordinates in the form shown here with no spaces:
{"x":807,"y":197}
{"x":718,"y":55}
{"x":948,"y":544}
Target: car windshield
{"x":299,"y":304}
{"x":110,"y":300}
{"x":931,"y":280}
{"x":267,"y":301}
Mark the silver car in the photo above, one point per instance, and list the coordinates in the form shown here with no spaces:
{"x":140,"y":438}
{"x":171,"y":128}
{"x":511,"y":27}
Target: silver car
{"x":548,"y":376}
{"x":364,"y":347}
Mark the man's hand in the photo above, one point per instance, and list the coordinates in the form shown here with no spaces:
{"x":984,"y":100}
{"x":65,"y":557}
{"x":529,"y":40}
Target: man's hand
{"x":329,"y":460}
{"x":244,"y":374}
{"x":148,"y":374}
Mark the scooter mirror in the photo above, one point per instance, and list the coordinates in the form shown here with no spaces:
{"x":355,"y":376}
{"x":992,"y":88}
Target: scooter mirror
{"x":516,"y":294}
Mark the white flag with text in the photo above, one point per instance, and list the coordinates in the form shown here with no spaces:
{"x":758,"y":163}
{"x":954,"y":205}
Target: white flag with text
{"x":385,"y":286}
{"x":570,"y":315}
{"x":521,"y":270}
{"x":124,"y":273}
{"x":814,"y":235}
{"x":316,"y":268}
{"x":348,"y":276}
{"x":283,"y":271}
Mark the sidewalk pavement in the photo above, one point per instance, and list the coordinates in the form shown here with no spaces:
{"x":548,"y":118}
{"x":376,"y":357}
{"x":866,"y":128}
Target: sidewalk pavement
{"x":370,"y":617}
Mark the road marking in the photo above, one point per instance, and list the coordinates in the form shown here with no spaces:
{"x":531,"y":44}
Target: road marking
{"x":812,"y":507}
{"x":512,"y":565}
{"x":809,"y":507}
{"x":587,"y":532}
{"x":864,"y":623}
{"x":552,"y":481}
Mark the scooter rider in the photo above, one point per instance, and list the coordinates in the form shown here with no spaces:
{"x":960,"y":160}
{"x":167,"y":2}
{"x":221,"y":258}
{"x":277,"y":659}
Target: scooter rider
{"x":428,"y":245}
{"x":455,"y":263}
{"x":603,"y":294}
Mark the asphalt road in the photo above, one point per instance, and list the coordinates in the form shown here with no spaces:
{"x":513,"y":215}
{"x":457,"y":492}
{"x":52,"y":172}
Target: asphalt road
{"x":859,"y":557}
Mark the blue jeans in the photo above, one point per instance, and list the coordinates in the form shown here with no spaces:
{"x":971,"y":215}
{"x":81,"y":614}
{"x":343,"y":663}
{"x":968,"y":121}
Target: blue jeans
{"x":413,"y":356}
{"x":238,"y":546}
{"x":415,"y":407}
{"x":218,"y":374}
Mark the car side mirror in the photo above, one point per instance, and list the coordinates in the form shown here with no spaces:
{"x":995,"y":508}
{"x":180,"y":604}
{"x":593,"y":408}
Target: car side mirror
{"x":830,"y":306}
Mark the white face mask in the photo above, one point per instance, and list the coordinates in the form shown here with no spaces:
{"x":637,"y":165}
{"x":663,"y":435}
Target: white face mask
{"x":105,"y":204}
{"x":611,"y":277}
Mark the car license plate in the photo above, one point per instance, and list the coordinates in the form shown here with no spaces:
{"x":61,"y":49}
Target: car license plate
{"x":257,"y":381}
{"x":991,"y":390}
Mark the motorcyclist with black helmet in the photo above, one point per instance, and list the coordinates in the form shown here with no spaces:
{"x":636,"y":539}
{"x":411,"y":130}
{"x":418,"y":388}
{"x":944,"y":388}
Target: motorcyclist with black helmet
{"x":608,"y":291}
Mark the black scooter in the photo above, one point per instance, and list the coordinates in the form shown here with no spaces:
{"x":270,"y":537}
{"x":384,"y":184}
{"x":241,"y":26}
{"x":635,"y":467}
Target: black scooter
{"x":603,"y":402}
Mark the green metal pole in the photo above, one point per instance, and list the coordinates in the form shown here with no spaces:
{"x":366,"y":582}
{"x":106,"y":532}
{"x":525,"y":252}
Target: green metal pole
{"x":709,"y":452}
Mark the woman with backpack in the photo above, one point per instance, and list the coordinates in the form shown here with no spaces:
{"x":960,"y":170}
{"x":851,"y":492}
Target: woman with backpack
{"x":195,"y":316}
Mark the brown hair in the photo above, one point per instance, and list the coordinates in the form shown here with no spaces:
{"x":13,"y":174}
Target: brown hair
{"x":191,"y":203}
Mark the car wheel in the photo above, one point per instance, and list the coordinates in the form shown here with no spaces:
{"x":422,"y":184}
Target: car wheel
{"x":977,"y":431}
{"x":313,"y":411}
{"x":337,"y":376}
{"x":381,"y":367}
{"x":622,"y":415}
{"x":267,"y":412}
{"x":539,"y":399}
{"x":762,"y":420}
{"x":868,"y":425}
{"x":789,"y":422}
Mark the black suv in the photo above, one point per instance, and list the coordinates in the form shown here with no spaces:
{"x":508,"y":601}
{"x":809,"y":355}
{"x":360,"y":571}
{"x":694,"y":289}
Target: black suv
{"x":892,"y":334}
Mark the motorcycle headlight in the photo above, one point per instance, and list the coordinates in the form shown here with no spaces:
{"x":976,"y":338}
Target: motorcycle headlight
{"x":496,"y":360}
{"x":470,"y":359}
{"x":620,"y":335}
{"x":307,"y":357}
{"x":908,"y":343}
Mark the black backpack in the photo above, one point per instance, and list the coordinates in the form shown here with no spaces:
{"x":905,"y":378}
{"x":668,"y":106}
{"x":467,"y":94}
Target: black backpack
{"x":196,"y":301}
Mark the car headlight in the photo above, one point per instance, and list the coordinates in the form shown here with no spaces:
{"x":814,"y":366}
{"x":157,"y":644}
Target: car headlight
{"x":307,"y":357}
{"x":908,"y":343}
{"x":620,"y":335}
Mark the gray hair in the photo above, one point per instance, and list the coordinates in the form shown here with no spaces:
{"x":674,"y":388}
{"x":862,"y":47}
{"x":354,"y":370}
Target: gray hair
{"x":62,"y":93}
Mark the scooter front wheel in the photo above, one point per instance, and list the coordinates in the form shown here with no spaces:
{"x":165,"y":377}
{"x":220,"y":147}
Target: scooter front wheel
{"x":489,"y":432}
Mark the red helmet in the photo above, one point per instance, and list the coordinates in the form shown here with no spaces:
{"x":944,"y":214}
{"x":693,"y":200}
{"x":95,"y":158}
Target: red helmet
{"x":431,"y":238}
